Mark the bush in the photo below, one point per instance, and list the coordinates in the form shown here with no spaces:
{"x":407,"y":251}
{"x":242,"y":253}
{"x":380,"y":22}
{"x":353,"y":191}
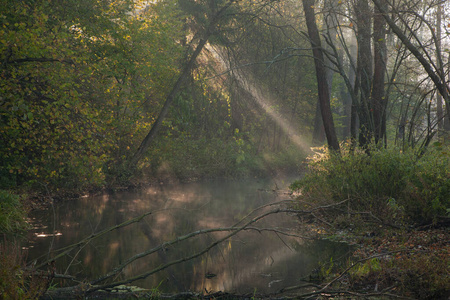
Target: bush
{"x":12,"y":213}
{"x":427,"y":194}
{"x":388,"y":183}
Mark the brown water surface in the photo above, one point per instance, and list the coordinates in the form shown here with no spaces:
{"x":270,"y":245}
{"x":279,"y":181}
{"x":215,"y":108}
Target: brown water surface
{"x":250,"y":261}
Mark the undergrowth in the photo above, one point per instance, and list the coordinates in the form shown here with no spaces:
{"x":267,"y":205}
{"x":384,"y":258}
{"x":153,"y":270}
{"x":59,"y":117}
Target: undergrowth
{"x":394,"y":205}
{"x":388,"y":185}
{"x":415,"y":264}
{"x":12,"y":214}
{"x":17,"y":282}
{"x":192,"y":159}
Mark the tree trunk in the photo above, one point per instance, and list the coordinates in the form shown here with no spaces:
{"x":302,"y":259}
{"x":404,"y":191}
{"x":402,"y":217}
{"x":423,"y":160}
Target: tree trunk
{"x":350,"y":107}
{"x":439,"y":108}
{"x":318,"y":131}
{"x":322,"y":85}
{"x":447,"y":117}
{"x":145,"y":144}
{"x":364,"y":70}
{"x":329,"y":22}
{"x":434,"y":75}
{"x":379,"y":102}
{"x":163,"y":113}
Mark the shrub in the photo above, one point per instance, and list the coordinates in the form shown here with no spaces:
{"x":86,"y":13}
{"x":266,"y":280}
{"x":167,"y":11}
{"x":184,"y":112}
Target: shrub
{"x":427,"y":194}
{"x":388,"y":183}
{"x":12,"y":213}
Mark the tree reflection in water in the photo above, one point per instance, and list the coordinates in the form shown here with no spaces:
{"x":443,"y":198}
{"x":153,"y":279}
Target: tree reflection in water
{"x":248,"y":261}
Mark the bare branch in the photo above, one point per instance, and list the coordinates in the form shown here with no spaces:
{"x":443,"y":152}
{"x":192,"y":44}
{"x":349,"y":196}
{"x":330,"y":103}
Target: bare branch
{"x":83,"y":242}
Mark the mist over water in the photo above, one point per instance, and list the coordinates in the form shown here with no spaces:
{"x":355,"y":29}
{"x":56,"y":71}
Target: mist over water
{"x":249,"y":261}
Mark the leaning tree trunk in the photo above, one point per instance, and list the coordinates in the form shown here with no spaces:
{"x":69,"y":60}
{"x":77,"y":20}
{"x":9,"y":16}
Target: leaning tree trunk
{"x":184,"y":75}
{"x":322,"y":85}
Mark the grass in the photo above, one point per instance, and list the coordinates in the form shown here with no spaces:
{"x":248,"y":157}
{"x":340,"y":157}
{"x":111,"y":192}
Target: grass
{"x":12,"y":214}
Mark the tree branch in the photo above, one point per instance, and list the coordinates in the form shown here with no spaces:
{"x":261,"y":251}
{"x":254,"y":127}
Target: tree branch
{"x":84,"y":241}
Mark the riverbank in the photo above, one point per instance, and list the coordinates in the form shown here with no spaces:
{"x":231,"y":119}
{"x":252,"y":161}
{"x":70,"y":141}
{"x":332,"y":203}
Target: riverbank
{"x":394,"y":206}
{"x":395,"y":263}
{"x":391,"y":206}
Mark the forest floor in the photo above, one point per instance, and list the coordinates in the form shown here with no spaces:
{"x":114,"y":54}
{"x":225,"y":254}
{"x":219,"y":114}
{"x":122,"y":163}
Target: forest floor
{"x":413,"y":263}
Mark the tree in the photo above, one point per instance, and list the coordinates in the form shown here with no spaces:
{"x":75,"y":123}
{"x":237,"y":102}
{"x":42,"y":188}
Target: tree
{"x":364,"y":70}
{"x":330,"y":23}
{"x":205,"y":35}
{"x":378,"y":99}
{"x":76,"y":81}
{"x":435,"y":75}
{"x":421,"y":54}
{"x":322,"y":85}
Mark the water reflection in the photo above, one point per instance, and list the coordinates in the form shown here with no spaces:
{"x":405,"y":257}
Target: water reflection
{"x":249,"y":260}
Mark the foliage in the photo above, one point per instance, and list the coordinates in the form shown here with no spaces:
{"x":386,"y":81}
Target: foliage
{"x":393,"y":186}
{"x":12,"y":213}
{"x":427,"y":193}
{"x":189,"y":159}
{"x":79,"y":84}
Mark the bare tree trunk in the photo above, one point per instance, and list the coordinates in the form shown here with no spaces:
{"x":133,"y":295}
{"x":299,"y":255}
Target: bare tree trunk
{"x":364,"y":69}
{"x":324,"y":95}
{"x":318,"y":131}
{"x":439,"y":107}
{"x":350,"y":111}
{"x":329,"y":22}
{"x":447,"y":116}
{"x":379,"y":102}
{"x":434,"y":75}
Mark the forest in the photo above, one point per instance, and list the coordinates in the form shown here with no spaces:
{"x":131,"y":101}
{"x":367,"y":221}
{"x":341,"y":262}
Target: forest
{"x":351,"y":97}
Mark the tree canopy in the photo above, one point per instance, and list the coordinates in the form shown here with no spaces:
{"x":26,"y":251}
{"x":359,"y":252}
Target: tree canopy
{"x":85,"y":83}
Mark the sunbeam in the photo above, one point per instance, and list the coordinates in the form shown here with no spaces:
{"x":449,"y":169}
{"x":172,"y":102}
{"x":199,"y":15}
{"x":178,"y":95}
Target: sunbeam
{"x":264,"y":99}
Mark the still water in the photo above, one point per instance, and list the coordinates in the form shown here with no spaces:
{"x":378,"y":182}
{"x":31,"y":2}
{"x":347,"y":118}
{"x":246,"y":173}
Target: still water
{"x":252,"y":261}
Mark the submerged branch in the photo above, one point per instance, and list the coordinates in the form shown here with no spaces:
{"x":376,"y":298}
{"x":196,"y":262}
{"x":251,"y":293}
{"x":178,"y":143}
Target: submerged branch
{"x":95,"y":285}
{"x":234,"y":230}
{"x":162,"y":246}
{"x":88,"y":239}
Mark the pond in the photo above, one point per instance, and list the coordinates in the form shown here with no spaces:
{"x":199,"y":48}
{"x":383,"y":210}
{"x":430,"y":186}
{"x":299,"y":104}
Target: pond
{"x":248,"y":262}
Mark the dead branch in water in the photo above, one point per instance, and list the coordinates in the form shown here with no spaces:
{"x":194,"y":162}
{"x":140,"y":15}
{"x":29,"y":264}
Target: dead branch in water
{"x":94,"y":285}
{"x":85,"y":241}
